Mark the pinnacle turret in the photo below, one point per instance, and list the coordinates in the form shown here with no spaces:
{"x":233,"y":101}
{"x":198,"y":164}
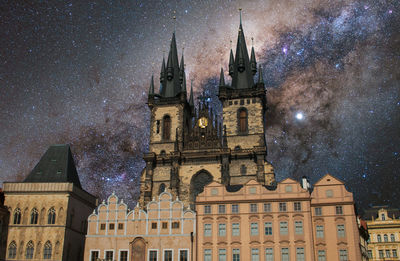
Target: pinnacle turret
{"x":260,"y":75}
{"x":151,"y":89}
{"x":253,"y":63}
{"x":222,"y":78}
{"x":231,"y":63}
{"x":191,"y":99}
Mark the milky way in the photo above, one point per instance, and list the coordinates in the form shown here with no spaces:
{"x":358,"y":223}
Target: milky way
{"x":78,"y":72}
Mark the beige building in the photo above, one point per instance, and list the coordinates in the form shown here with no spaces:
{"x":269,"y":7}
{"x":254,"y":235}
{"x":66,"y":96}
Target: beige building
{"x":164,"y":231}
{"x":252,"y":222}
{"x":48,"y":211}
{"x":384,"y":233}
{"x":4,"y":217}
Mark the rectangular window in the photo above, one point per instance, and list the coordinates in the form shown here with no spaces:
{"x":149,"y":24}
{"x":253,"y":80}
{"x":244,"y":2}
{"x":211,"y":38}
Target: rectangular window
{"x":235,"y":208}
{"x":318,"y":211}
{"x":222,"y":230}
{"x":221,"y":209}
{"x":235,"y":229}
{"x":394,"y":252}
{"x":282,"y":207}
{"x":111,"y":226}
{"x":253,"y":208}
{"x":343,"y":255}
{"x":339,"y":210}
{"x":340,"y":230}
{"x":207,"y":254}
{"x":207,"y":209}
{"x":94,"y":255}
{"x":221,"y":254}
{"x":254,"y":229}
{"x":183,"y":255}
{"x":298,"y":226}
{"x":370,"y":254}
{"x":152,"y":255}
{"x":321,"y":255}
{"x":175,"y":224}
{"x":381,"y":254}
{"x":285,"y":254}
{"x":207,"y":230}
{"x":268,"y":228}
{"x":267,"y":207}
{"x":297,"y":206}
{"x":120,"y":226}
{"x":164,"y":225}
{"x":102,"y":226}
{"x":236,"y":254}
{"x":299,"y":254}
{"x":387,"y":252}
{"x":269,"y":254}
{"x":283,"y":228}
{"x":167,"y":255}
{"x":320,"y":231}
{"x":109,"y":256}
{"x":123,"y":256}
{"x":254,"y":254}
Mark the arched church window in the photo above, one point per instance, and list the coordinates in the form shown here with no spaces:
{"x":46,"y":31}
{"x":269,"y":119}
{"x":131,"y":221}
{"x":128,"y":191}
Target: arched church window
{"x":34,"y":216}
{"x":17,"y":216}
{"x":12,"y":250}
{"x":47,"y":250}
{"x":51,"y":218}
{"x":161,"y":189}
{"x":166,"y":127}
{"x":29,"y":250}
{"x":242,"y":121}
{"x":243,"y":170}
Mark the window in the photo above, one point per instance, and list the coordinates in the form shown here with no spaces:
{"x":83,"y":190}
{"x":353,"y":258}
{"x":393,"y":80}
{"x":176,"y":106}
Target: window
{"x":288,"y":188}
{"x":387,"y":253}
{"x":94,"y":255}
{"x":175,"y":224}
{"x":207,"y":209}
{"x":161,"y":188}
{"x":164,"y":225}
{"x":17,"y":216}
{"x":242,"y":121}
{"x":394,"y":252}
{"x":283,"y":227}
{"x":214,"y":191}
{"x":158,"y":126}
{"x":235,"y":229}
{"x":392,"y":238}
{"x":381,"y":254}
{"x":297,"y":206}
{"x":221,"y":254}
{"x":153,"y":255}
{"x":282,"y":207}
{"x":12,"y":250}
{"x":154,"y":225}
{"x":343,"y":255}
{"x":123,"y":255}
{"x":243,"y":170}
{"x":111,"y":226}
{"x":51,"y":216}
{"x":269,"y":254}
{"x":34,"y":216}
{"x":320,"y":231}
{"x":109,"y":255}
{"x":183,"y":255}
{"x":318,"y":211}
{"x":120,"y":226}
{"x":254,"y":229}
{"x":207,"y":230}
{"x":369,"y":254}
{"x":385,"y":238}
{"x":102,"y":226}
{"x":47,"y":250}
{"x":339,"y":210}
{"x":221,"y":209}
{"x":166,"y":127}
{"x":383,"y":217}
{"x":298,"y":226}
{"x":340,"y":231}
{"x":235,"y":208}
{"x":321,"y":255}
{"x":221,"y":230}
{"x":299,"y":254}
{"x":329,"y":193}
{"x":267,"y":207}
{"x":253,"y":190}
{"x":207,"y":254}
{"x":285,"y":254}
{"x":236,"y":254}
{"x":268,"y":228}
{"x":253,"y":208}
{"x":254,"y":254}
{"x":29,"y":250}
{"x":167,"y":255}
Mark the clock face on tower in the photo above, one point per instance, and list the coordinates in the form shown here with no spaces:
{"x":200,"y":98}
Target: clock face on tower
{"x":203,"y":122}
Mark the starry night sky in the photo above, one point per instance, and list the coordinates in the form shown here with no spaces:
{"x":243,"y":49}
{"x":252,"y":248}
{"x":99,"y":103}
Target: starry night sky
{"x":78,"y":72}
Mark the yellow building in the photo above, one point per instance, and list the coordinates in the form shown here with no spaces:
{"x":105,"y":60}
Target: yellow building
{"x":48,"y":211}
{"x":384,"y":233}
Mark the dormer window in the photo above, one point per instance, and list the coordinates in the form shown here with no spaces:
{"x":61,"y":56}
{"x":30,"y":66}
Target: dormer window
{"x":383,"y":217}
{"x":166,"y":135}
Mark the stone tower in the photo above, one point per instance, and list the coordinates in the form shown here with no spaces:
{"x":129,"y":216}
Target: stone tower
{"x":189,"y":147}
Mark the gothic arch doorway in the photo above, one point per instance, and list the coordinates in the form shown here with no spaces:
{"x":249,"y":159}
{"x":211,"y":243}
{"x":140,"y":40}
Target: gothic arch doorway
{"x":197,"y":183}
{"x":138,"y":249}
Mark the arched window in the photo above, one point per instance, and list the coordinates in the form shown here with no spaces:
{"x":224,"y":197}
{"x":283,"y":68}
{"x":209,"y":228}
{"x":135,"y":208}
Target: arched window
{"x":383,"y":217}
{"x":29,"y":250}
{"x":47,"y":250}
{"x":12,"y":250}
{"x":243,"y":170}
{"x":242,"y":121}
{"x":166,"y":127}
{"x":17,"y":216}
{"x":385,"y":238}
{"x":161,"y":189}
{"x":392,"y":238}
{"x":34,"y":216}
{"x":379,"y":238}
{"x":51,"y":218}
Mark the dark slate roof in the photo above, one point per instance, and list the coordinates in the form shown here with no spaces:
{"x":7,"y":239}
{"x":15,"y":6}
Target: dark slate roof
{"x":233,"y":188}
{"x":56,"y":165}
{"x":373,"y":212}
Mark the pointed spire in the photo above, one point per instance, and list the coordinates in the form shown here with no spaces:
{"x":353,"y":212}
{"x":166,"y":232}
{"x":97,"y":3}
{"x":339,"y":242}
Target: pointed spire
{"x":222,"y":78}
{"x":151,"y":89}
{"x":171,"y":86}
{"x":170,"y":68}
{"x":191,"y":99}
{"x":181,"y":69}
{"x":253,"y":63}
{"x":231,"y":63}
{"x":162,"y":74}
{"x":260,"y":75}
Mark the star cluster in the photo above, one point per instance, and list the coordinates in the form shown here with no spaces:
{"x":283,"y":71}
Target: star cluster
{"x":78,"y":72}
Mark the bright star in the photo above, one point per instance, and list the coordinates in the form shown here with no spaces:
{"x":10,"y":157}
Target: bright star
{"x":299,"y":116}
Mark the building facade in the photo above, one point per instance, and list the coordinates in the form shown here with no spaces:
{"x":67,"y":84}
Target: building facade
{"x":48,"y":211}
{"x":164,"y":231}
{"x":4,"y":219}
{"x":384,"y":233}
{"x":253,"y":222}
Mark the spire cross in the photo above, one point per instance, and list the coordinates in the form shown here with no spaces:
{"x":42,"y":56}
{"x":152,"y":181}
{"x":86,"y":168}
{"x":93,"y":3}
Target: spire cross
{"x":240,"y":13}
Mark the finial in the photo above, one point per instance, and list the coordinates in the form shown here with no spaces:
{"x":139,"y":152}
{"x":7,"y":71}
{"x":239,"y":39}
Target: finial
{"x":230,"y":45}
{"x":240,"y":12}
{"x":252,"y":41}
{"x":174,"y":17}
